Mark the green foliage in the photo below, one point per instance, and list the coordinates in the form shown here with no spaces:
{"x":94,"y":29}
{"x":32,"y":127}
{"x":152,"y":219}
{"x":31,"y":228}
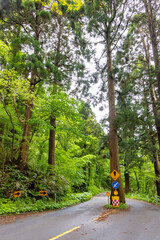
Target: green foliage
{"x":94,"y":189}
{"x":8,"y":206}
{"x":13,"y":95}
{"x":45,"y":15}
{"x":41,"y":51}
{"x":12,"y":84}
{"x":82,"y":197}
{"x":148,"y":198}
{"x":32,"y":182}
{"x":37,"y":62}
{"x":4,"y":53}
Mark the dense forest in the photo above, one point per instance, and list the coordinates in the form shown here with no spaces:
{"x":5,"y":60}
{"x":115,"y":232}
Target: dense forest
{"x":52,"y":52}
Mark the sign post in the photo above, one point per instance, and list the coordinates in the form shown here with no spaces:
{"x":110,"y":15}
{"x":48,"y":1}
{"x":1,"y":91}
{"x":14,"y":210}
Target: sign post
{"x":17,"y":194}
{"x":115,"y":199}
{"x":108,"y":195}
{"x":43,"y":194}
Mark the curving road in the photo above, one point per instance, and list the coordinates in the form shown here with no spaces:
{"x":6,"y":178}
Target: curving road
{"x":88,"y":221}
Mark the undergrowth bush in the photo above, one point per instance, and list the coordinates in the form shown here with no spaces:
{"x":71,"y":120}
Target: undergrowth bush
{"x":8,"y":206}
{"x":35,"y":180}
{"x":94,"y":189}
{"x":144,"y":197}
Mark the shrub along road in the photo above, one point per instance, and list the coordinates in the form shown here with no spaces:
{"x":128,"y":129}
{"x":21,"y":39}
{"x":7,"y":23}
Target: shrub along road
{"x":88,"y":221}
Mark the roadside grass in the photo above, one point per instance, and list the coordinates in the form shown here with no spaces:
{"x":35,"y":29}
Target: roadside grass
{"x":31,"y":204}
{"x":9,"y":206}
{"x":122,"y":206}
{"x":144,"y":197}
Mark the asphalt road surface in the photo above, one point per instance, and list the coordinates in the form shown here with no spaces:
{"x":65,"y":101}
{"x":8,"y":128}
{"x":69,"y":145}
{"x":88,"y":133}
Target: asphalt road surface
{"x":88,"y":221}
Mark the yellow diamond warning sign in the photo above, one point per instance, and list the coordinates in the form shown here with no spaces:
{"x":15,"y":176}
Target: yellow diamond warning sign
{"x":114,"y":175}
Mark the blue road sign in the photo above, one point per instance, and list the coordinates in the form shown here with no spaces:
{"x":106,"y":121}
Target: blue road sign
{"x":115,"y":184}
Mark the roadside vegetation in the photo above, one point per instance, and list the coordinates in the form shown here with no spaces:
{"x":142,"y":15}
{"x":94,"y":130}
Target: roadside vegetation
{"x":121,"y":206}
{"x":52,"y":54}
{"x":9,"y":206}
{"x":144,"y":197}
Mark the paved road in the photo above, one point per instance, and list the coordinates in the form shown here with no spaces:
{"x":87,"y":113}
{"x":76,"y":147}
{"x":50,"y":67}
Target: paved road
{"x":88,"y":221}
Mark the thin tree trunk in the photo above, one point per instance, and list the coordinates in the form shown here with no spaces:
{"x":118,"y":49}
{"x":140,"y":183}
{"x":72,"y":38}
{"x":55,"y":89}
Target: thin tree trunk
{"x":89,"y":173}
{"x":52,"y":135}
{"x":157,"y":173}
{"x":1,"y":131}
{"x":156,"y":112}
{"x":24,"y":148}
{"x":138,"y":185}
{"x":113,"y":137}
{"x":13,"y":130}
{"x":51,"y":159}
{"x":127,"y":185}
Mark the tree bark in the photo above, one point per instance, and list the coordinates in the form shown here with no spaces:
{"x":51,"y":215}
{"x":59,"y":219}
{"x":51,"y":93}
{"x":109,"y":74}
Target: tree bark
{"x":51,"y":159}
{"x":24,"y":147}
{"x":156,"y":110}
{"x":137,"y":181}
{"x":127,"y":185}
{"x":126,"y":176}
{"x":156,"y":117}
{"x":151,"y":19}
{"x":113,"y":137}
{"x":52,"y":135}
{"x":157,"y":173}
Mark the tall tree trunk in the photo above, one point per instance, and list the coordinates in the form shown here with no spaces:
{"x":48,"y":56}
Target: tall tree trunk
{"x":155,"y":106}
{"x":156,"y":112}
{"x":155,"y":155}
{"x":127,"y":186}
{"x":156,"y":117}
{"x":24,"y":147}
{"x":89,"y":173}
{"x":35,"y":31}
{"x":151,"y":19}
{"x":1,"y":131}
{"x":113,"y":137}
{"x":51,"y":159}
{"x":157,"y":173}
{"x":137,"y":181}
{"x":127,"y":183}
{"x":52,"y":135}
{"x":153,"y":141}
